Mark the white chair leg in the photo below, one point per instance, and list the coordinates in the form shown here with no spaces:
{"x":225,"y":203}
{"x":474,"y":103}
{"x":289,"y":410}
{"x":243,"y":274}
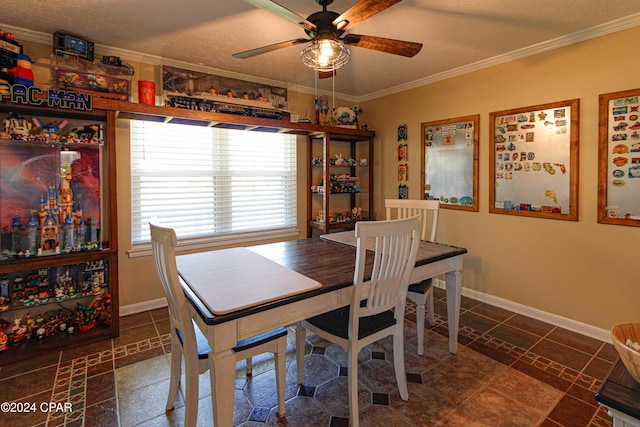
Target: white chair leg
{"x":420,"y":312}
{"x":176,"y":369}
{"x":281,"y":370}
{"x":398,"y":362}
{"x":352,"y":378}
{"x":430,"y":309}
{"x":249,"y":370}
{"x":301,"y":332}
{"x":191,"y":394}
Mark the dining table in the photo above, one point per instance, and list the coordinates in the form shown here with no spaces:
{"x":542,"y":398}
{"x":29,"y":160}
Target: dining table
{"x":318,"y":274}
{"x":619,"y":393}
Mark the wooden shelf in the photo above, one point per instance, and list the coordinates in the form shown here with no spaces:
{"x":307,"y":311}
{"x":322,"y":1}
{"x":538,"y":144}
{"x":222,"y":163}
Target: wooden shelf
{"x":335,"y":225}
{"x":34,"y":262}
{"x":354,"y":146}
{"x":27,"y":349}
{"x":130,"y":110}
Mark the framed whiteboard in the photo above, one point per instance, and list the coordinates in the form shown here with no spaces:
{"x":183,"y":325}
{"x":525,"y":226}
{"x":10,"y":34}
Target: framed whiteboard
{"x":449,"y":157}
{"x":534,"y":161}
{"x":619,"y":158}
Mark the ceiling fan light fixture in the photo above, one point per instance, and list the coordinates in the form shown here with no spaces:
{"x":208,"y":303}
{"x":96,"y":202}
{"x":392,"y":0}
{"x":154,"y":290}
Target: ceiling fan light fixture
{"x":325,"y":54}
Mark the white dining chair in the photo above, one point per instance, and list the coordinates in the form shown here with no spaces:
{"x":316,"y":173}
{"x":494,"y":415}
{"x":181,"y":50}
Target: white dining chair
{"x":420,"y":293}
{"x":188,"y":341}
{"x":377,"y":303}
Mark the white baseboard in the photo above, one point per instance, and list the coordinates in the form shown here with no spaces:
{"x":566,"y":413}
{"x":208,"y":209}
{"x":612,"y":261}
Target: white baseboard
{"x":563,"y":322}
{"x":142,"y":306}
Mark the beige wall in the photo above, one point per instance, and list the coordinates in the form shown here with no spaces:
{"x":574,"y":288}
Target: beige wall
{"x":583,"y":271}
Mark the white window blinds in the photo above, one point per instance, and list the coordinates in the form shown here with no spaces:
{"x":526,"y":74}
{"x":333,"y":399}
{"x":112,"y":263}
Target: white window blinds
{"x":210,"y":183}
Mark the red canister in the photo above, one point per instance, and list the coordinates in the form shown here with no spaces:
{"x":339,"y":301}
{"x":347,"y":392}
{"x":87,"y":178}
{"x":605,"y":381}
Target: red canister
{"x":146,"y":92}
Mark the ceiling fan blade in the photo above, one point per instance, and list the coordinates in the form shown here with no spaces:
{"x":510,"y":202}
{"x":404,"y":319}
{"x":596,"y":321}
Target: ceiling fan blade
{"x":283,"y":12}
{"x":269,"y":48}
{"x":396,"y":47}
{"x":364,"y":9}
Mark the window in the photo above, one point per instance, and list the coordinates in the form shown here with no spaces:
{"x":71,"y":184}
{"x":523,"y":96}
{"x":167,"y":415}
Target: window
{"x":211,"y":184}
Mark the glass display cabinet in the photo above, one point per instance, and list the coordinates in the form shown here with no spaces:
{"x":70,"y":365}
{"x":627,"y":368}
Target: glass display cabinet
{"x":340,"y":180}
{"x":58,"y":242}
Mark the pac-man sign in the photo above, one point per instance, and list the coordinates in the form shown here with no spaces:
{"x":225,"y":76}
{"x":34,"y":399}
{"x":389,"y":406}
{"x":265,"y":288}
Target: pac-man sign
{"x":33,"y":95}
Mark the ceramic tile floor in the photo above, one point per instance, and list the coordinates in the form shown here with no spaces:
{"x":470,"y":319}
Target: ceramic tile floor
{"x":510,"y":371}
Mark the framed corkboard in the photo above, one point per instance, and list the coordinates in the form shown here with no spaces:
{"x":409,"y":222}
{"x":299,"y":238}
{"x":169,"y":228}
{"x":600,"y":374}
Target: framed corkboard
{"x":619,"y":158}
{"x":449,"y":157}
{"x":534,"y":160}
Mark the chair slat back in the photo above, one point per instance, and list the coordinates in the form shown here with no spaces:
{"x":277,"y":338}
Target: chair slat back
{"x":427,"y":210}
{"x":164,"y":242}
{"x":396,"y":246}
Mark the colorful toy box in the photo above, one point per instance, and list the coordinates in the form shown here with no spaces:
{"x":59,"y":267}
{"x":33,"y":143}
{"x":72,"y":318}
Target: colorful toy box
{"x":106,"y":81}
{"x":9,"y":51}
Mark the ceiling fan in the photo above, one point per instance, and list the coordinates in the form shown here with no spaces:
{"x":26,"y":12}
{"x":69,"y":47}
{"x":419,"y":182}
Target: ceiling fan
{"x":330,"y":26}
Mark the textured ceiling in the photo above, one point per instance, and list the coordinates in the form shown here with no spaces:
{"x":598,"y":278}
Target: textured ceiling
{"x":455,"y":33}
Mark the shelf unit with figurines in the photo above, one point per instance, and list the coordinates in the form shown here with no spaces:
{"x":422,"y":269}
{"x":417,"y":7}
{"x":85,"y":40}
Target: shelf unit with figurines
{"x":58,"y":241}
{"x":337,"y":203}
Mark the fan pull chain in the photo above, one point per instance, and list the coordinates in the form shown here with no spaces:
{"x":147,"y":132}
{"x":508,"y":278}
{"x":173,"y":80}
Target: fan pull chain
{"x":316,"y":106}
{"x":333,"y":83}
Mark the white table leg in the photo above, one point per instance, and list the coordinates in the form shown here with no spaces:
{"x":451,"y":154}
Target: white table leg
{"x":453,"y":281}
{"x":222,"y":366}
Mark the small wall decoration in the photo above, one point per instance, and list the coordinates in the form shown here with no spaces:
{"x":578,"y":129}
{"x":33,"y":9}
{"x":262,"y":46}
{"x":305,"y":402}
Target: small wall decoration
{"x":403,"y":168}
{"x":449,"y":157}
{"x":619,"y":158}
{"x":403,"y":191}
{"x":403,"y":172}
{"x":534,"y":161}
{"x":402,"y":132}
{"x":402,"y":152}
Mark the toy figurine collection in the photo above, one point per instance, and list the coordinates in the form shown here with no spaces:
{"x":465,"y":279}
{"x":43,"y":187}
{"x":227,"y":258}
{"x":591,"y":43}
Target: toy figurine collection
{"x":338,"y":183}
{"x":16,"y":127}
{"x":339,"y":217}
{"x":60,"y":322}
{"x":51,"y":285}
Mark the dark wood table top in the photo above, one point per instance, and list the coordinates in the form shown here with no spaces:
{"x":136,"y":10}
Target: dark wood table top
{"x":620,"y":391}
{"x":330,"y":263}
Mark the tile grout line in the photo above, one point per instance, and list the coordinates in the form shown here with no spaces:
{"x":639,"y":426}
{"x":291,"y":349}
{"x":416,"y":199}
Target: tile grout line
{"x":536,"y":360}
{"x":53,"y":389}
{"x":115,"y":381}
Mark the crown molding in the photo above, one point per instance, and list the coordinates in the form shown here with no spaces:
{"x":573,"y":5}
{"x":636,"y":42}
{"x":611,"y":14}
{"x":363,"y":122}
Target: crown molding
{"x":567,"y":40}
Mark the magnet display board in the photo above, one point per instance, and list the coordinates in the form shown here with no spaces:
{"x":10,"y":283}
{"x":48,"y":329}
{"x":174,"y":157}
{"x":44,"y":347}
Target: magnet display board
{"x":619,"y":158}
{"x":534,"y":161}
{"x":450,"y":162}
